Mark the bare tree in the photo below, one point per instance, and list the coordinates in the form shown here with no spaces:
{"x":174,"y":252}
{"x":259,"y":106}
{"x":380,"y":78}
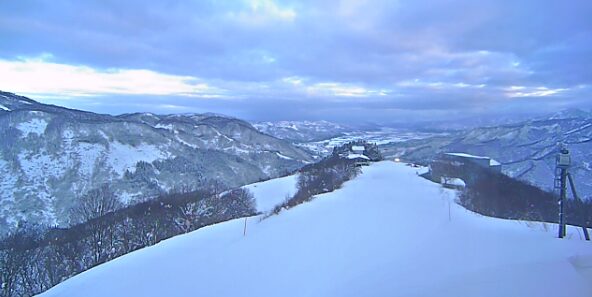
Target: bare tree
{"x":96,"y":203}
{"x":187,"y":216}
{"x":31,"y":260}
{"x":92,"y":208}
{"x":238,"y":202}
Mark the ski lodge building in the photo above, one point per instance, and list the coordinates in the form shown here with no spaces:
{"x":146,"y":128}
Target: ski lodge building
{"x":356,"y":153}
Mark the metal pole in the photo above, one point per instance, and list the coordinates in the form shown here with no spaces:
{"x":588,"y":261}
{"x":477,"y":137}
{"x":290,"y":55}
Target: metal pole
{"x":572,"y":184}
{"x":586,"y":234}
{"x":562,"y":196}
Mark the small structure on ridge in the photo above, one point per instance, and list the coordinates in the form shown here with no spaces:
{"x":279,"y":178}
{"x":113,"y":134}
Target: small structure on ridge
{"x":360,"y":151}
{"x":463,"y":166}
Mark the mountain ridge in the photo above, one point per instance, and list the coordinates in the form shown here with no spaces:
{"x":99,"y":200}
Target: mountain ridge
{"x":51,"y":155}
{"x":526,"y":150}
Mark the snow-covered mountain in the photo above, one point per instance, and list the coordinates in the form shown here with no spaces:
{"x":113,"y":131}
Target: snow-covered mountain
{"x":302,"y":131}
{"x":527,"y":150}
{"x":388,"y":232}
{"x":572,"y":113}
{"x":49,"y":155}
{"x":320,"y":137}
{"x":378,"y":136}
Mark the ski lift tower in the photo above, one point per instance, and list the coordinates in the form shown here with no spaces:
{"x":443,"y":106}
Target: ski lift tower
{"x":562,"y":176}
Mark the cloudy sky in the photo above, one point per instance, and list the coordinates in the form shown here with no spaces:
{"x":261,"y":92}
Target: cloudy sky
{"x":272,"y":59}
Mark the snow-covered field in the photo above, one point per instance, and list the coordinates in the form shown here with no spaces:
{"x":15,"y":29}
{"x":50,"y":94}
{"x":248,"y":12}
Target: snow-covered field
{"x":386,"y":233}
{"x":272,"y":192}
{"x":381,"y":136}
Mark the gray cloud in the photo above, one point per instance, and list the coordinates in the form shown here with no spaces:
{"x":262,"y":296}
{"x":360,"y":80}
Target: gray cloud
{"x":432,"y":58}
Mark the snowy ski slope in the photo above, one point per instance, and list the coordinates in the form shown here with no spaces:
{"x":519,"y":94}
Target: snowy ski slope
{"x":272,"y":192}
{"x":386,"y":233}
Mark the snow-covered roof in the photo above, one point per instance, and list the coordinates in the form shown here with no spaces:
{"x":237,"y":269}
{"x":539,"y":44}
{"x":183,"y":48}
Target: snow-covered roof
{"x":357,"y":148}
{"x":492,"y":162}
{"x":464,"y":155}
{"x":356,"y":156}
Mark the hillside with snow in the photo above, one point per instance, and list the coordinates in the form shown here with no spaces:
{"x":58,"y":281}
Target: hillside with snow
{"x":320,"y":137}
{"x":51,"y":155}
{"x":302,"y":131}
{"x":388,"y":232}
{"x":527,"y":150}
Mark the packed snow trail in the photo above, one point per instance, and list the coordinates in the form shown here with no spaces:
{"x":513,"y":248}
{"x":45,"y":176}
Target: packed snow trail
{"x":272,"y":192}
{"x":386,"y":233}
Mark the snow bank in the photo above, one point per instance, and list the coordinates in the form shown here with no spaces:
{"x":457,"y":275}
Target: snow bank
{"x":454,"y":181}
{"x":386,"y":233}
{"x":270,"y":193}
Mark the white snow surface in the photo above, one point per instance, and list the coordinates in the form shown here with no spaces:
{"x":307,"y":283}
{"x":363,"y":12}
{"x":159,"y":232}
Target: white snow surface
{"x":282,"y":156}
{"x":453,"y":181}
{"x":167,"y":126}
{"x":464,"y":155}
{"x":492,"y":162}
{"x":124,"y":157}
{"x":379,"y":137}
{"x":272,"y":192}
{"x":35,"y":126}
{"x":356,"y":156}
{"x":386,"y":233}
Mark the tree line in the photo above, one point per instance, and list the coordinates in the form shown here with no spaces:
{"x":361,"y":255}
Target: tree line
{"x":497,"y":195}
{"x":328,"y":174}
{"x":34,"y":259}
